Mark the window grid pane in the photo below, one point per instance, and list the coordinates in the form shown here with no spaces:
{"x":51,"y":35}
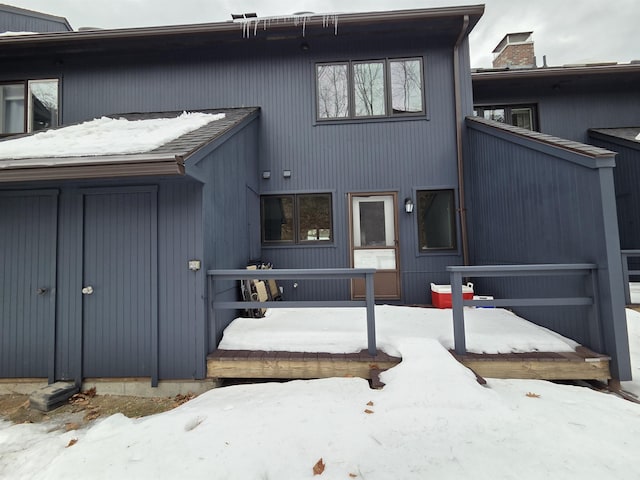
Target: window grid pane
{"x":277,"y":219}
{"x":406,"y":86}
{"x":436,"y":220}
{"x":43,"y":104}
{"x":333,"y":91}
{"x":12,"y":108}
{"x":314,"y":218}
{"x":369,"y":87}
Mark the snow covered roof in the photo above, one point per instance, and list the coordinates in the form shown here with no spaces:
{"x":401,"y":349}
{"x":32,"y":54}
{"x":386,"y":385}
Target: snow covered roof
{"x":117,"y":146}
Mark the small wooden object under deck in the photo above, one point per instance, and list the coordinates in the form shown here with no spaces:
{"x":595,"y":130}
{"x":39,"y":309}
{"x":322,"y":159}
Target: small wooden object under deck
{"x":293,"y":365}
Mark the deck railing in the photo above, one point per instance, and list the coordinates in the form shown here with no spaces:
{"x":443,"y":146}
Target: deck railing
{"x":457,"y":273}
{"x":301,"y":274}
{"x":626,"y":255}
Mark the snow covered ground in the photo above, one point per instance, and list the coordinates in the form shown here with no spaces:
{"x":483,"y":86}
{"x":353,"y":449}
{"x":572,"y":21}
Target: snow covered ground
{"x":431,"y":421}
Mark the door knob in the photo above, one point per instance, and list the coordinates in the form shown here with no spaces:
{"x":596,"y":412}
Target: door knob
{"x":87,"y":290}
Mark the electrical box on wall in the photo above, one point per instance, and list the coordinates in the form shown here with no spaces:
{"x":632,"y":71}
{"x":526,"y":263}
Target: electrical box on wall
{"x":194,"y":265}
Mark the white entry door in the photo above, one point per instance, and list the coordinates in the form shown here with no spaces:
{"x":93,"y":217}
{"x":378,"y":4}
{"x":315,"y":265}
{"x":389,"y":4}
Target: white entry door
{"x":374,"y":242}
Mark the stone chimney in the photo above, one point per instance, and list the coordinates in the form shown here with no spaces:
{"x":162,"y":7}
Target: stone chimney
{"x":515,"y":50}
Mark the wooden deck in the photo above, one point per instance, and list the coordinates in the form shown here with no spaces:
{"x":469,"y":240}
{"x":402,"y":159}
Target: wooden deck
{"x":580,"y":365}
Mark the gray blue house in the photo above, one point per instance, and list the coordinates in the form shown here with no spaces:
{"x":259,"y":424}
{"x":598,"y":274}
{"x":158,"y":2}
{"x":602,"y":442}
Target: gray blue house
{"x":335,"y":125}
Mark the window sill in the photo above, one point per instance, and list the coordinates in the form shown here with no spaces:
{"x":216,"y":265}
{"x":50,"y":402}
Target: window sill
{"x":351,"y":121}
{"x":298,"y":245}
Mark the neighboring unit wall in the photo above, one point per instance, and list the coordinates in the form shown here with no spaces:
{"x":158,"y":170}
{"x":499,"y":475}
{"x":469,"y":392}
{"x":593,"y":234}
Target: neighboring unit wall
{"x":534,"y":200}
{"x":626,"y":176}
{"x":568,"y":112}
{"x":13,"y":19}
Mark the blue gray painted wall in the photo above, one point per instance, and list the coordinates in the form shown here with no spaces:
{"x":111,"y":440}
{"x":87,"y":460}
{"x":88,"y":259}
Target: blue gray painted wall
{"x":627,"y":178}
{"x":400,"y":155}
{"x":13,"y":19}
{"x":568,"y":111}
{"x":528,"y":203}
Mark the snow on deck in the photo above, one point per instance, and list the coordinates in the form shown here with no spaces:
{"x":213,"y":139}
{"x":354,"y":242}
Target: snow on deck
{"x":344,"y":330}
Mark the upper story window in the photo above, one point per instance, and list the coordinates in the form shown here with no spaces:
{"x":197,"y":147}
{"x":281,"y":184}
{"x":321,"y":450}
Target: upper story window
{"x":28,"y":106}
{"x":369,"y":89}
{"x":524,"y":116}
{"x":296,"y":219}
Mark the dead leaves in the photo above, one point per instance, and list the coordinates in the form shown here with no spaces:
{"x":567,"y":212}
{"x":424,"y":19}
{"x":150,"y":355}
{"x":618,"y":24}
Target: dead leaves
{"x":318,"y":468}
{"x":183,"y":398}
{"x":72,"y":442}
{"x":532,"y":395}
{"x":367,"y":410}
{"x":82,"y":398}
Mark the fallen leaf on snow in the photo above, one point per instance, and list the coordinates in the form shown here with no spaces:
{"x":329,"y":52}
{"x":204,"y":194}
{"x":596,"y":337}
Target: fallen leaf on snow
{"x":532,"y":395}
{"x":370,"y":404}
{"x":72,"y":442}
{"x":71,"y":426}
{"x":368,"y":411}
{"x":318,"y":468}
{"x":353,"y":475}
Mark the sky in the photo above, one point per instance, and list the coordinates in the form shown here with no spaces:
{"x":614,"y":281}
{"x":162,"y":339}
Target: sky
{"x":432,"y":419}
{"x":565,"y":31}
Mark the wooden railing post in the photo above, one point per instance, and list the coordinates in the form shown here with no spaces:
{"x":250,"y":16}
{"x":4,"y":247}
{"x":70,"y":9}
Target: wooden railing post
{"x":458,"y":313}
{"x":371,"y":319}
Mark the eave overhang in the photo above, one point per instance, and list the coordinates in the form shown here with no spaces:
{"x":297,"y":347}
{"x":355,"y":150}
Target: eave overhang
{"x":177,"y":158}
{"x":444,"y":21}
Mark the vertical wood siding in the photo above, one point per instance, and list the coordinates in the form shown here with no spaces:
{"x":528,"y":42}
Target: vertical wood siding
{"x":393,"y":155}
{"x":27,"y":263}
{"x":626,"y":175}
{"x":119,"y":261}
{"x":15,"y":22}
{"x":529,"y":207}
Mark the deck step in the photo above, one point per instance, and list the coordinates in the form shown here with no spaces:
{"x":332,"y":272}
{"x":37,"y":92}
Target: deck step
{"x":583,"y":364}
{"x":295,"y":365}
{"x":52,"y":396}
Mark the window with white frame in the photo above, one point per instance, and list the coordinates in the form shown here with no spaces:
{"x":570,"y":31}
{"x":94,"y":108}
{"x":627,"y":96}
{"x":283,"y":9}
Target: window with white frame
{"x":28,"y":106}
{"x":369,"y":89}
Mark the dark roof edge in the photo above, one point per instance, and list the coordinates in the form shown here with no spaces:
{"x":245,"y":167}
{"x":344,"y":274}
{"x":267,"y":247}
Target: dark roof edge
{"x":600,"y":156}
{"x":602,"y":134}
{"x":195,"y":155}
{"x":39,"y":162}
{"x":33,"y":13}
{"x":229,"y":26}
{"x":479,"y":75}
{"x":71,"y":172}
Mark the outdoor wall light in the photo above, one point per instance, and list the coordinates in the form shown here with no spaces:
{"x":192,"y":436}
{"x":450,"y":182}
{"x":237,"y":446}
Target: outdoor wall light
{"x":286,"y":173}
{"x":408,"y":205}
{"x":266,"y":174}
